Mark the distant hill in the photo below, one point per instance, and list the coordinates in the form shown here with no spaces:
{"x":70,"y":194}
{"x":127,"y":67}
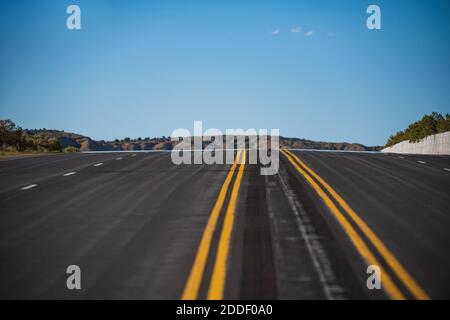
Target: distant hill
{"x":84,"y":143}
{"x":55,"y":140}
{"x":295,"y":143}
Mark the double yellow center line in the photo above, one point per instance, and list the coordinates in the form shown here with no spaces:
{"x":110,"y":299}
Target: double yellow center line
{"x":218,"y":277}
{"x":391,"y":288}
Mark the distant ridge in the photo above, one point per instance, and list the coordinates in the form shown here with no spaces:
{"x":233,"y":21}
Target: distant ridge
{"x":84,"y":143}
{"x":15,"y":139}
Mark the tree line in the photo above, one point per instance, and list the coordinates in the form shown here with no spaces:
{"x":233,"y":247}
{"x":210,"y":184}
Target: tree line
{"x":14,"y":138}
{"x":429,"y":124}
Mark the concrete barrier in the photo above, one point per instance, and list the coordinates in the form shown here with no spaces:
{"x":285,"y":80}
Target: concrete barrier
{"x":435,"y":144}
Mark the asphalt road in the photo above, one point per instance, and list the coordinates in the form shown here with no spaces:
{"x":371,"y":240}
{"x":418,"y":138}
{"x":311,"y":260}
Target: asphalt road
{"x":140,"y":227}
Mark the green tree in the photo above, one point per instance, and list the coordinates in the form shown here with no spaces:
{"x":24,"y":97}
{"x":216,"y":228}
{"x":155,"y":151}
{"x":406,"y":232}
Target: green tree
{"x":443,"y":124}
{"x":428,"y":125}
{"x":10,"y":135}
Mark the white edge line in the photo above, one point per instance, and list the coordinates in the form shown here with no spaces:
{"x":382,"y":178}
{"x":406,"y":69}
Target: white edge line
{"x":69,"y":174}
{"x":339,"y":151}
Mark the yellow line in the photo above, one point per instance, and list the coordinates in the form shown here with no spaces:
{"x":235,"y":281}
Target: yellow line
{"x":217,"y":284}
{"x":195,"y":277}
{"x":359,"y":244}
{"x":387,"y":255}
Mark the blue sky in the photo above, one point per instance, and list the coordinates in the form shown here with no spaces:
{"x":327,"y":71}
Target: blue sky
{"x":145,"y":68}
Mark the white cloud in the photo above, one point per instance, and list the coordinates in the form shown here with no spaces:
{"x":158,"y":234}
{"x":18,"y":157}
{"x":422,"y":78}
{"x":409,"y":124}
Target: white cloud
{"x":275,"y":32}
{"x":296,"y":29}
{"x":309,"y":33}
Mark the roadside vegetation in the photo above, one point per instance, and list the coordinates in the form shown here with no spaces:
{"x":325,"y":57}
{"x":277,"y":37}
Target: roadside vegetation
{"x":70,"y":149}
{"x":14,"y":139}
{"x":429,"y":124}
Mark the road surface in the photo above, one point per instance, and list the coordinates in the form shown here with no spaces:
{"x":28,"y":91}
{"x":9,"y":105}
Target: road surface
{"x":140,"y":227}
